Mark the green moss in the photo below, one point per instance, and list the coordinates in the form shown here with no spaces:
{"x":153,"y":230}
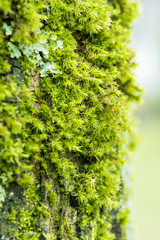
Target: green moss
{"x":67,"y":85}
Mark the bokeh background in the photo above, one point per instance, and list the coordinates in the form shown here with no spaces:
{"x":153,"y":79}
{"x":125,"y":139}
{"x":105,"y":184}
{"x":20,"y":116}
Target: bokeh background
{"x":146,"y":159}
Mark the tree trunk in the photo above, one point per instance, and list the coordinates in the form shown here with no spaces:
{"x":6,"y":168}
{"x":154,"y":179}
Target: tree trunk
{"x":65,"y":91}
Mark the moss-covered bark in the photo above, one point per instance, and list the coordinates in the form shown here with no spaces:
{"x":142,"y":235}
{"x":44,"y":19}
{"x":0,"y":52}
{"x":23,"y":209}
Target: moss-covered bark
{"x":66,"y":86}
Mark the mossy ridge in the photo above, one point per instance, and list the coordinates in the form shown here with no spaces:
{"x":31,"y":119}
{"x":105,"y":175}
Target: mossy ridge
{"x":64,"y":134}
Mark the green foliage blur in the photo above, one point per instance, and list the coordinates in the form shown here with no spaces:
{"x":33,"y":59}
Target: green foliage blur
{"x":146,"y":166}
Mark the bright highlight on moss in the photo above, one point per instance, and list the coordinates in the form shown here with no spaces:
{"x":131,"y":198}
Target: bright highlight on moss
{"x":66,"y":86}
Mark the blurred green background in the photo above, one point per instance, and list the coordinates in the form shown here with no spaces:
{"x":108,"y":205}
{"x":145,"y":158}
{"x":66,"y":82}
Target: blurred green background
{"x":146,"y":159}
{"x":146,"y":174}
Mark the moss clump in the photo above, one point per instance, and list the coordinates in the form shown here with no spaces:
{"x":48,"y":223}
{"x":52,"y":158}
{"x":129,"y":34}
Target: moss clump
{"x":67,"y":84}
